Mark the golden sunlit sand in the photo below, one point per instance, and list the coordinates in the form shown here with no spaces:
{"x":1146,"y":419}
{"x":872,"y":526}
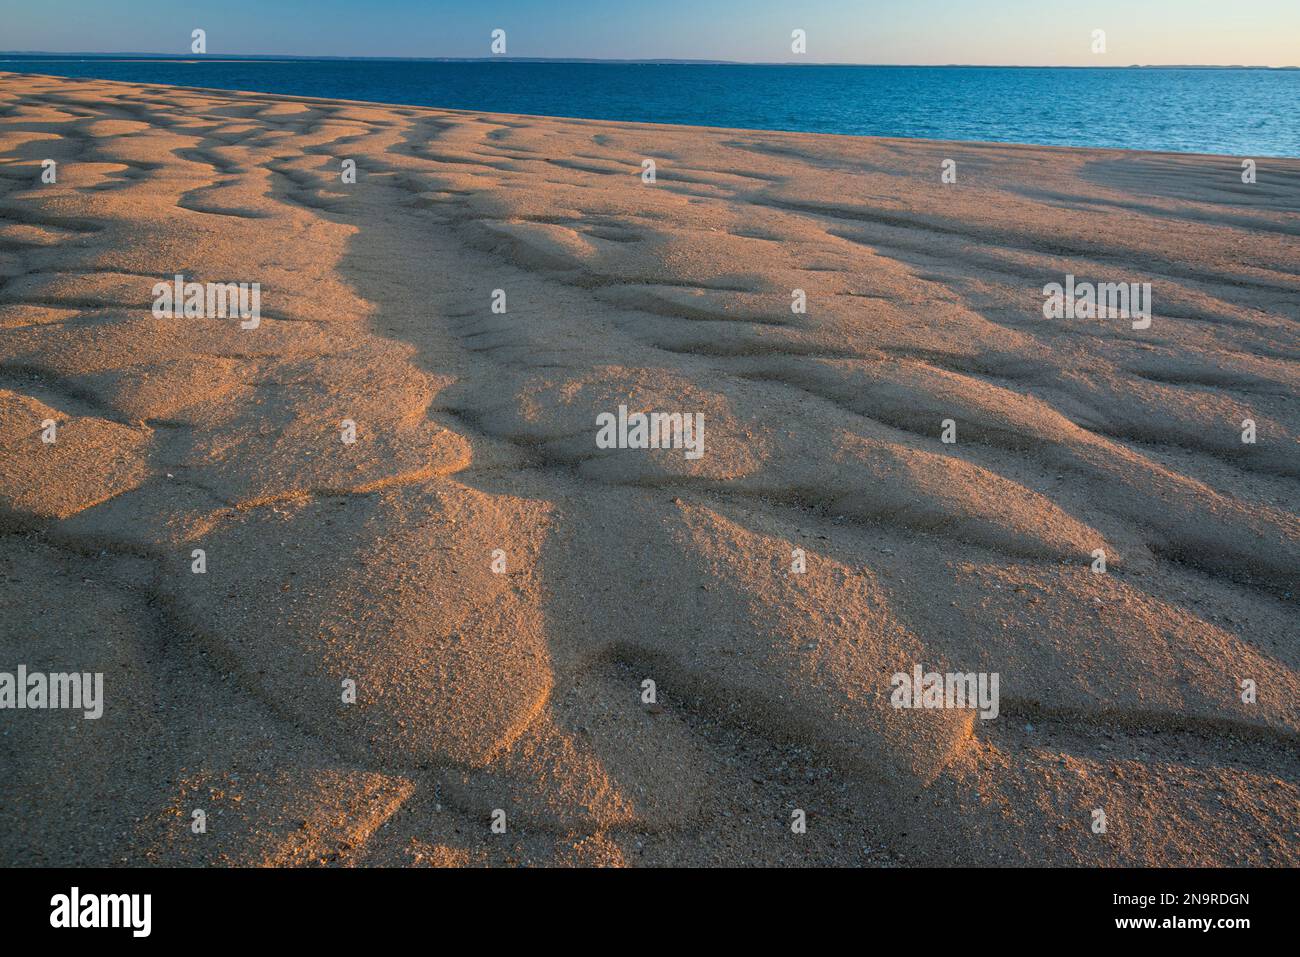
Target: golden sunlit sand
{"x":479,"y":689}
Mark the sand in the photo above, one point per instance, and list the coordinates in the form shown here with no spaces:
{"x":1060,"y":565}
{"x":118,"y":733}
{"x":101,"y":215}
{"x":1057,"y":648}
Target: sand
{"x":519,"y":688}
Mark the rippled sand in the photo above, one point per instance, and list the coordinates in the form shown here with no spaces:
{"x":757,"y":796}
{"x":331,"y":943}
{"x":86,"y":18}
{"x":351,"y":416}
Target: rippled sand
{"x":522,"y":690}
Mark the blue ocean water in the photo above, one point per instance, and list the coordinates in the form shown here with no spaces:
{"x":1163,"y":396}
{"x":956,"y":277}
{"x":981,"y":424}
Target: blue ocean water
{"x":1239,"y":112}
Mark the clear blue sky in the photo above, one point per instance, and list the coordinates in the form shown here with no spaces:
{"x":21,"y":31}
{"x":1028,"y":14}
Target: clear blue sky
{"x":1036,"y":32}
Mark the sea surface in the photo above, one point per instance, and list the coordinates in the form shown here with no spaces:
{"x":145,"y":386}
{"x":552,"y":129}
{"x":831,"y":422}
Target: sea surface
{"x":1237,"y":112}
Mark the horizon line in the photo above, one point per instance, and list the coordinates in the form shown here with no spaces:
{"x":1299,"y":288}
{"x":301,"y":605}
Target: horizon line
{"x":653,"y":61}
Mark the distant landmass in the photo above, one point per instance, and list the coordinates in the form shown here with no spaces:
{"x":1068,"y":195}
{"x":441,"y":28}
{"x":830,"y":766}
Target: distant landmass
{"x":235,"y":57}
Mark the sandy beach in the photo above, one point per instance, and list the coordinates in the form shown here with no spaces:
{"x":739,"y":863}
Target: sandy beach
{"x":905,"y":464}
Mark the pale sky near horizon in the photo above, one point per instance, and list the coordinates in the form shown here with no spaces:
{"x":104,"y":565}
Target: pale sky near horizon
{"x":1008,"y":32}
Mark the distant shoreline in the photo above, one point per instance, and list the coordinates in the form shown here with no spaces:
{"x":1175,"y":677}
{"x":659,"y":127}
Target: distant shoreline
{"x":284,"y":58}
